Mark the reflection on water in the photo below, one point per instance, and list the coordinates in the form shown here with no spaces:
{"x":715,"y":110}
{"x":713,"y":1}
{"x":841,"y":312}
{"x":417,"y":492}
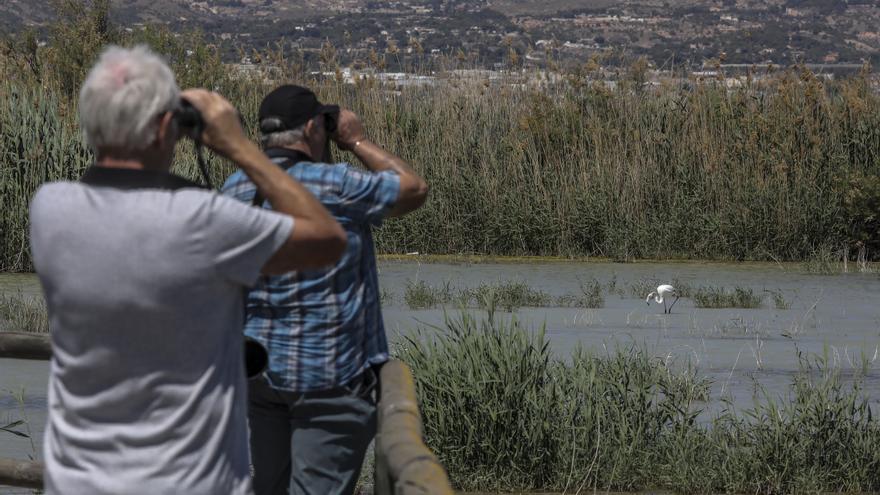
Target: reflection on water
{"x":738,"y":349}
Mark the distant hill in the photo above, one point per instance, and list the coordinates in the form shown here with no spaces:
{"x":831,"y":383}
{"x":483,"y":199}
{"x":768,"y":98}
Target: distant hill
{"x":691,"y":33}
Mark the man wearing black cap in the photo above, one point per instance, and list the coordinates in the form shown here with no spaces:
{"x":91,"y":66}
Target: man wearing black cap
{"x":313,"y":413}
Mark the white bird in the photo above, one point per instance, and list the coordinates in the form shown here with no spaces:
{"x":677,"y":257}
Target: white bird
{"x":660,"y":294}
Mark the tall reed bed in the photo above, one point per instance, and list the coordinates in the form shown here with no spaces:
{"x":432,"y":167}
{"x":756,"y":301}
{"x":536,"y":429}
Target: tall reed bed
{"x":504,"y":414}
{"x":777,"y":169}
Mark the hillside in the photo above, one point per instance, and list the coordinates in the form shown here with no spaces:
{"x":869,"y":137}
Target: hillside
{"x":492,"y":31}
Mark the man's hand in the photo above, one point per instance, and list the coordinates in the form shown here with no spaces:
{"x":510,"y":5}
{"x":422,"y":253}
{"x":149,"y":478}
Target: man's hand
{"x":349,"y":130}
{"x":413,"y":189}
{"x":223,"y":132}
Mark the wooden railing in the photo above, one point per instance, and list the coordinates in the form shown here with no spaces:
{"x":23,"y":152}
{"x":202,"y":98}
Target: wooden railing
{"x":26,"y":474}
{"x":404,"y":465}
{"x":25,"y":346}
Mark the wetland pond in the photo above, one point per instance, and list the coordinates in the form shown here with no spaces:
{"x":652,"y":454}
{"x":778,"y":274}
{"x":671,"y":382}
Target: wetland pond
{"x":742,"y":351}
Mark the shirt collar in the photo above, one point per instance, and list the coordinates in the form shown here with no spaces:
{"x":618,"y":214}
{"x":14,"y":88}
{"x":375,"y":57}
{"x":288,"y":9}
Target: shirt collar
{"x":291,"y":157}
{"x":127,"y":178}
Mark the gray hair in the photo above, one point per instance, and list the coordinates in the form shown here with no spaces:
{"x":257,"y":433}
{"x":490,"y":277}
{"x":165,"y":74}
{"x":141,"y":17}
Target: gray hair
{"x":280,"y":139}
{"x":122,"y":96}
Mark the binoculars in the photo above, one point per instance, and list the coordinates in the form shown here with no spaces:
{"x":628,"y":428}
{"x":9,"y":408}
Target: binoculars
{"x":189,"y":119}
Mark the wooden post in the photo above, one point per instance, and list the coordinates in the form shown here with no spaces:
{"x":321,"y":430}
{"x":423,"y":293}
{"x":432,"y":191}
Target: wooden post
{"x":26,"y":474}
{"x":18,"y":345}
{"x":404,"y":464}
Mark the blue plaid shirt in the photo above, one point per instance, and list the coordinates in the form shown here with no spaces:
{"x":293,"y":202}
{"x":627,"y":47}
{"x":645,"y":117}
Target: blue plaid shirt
{"x":324,"y":327}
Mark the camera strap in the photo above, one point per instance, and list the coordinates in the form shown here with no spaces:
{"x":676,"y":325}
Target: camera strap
{"x":200,"y":158}
{"x":284,"y":158}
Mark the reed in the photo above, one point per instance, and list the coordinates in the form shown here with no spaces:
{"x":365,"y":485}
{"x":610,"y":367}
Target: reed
{"x":421,"y":295}
{"x":504,"y":414}
{"x":773,"y":170}
{"x":719,"y":297}
{"x":506,"y":294}
{"x":591,"y":295}
{"x":20,"y":313}
{"x":779,"y":300}
{"x":509,"y":295}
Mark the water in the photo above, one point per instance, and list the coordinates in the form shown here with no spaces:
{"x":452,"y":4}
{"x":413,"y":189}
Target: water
{"x":737,"y":349}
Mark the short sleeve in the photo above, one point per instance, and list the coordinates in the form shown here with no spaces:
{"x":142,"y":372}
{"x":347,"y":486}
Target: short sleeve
{"x":369,"y":195}
{"x":242,"y":238}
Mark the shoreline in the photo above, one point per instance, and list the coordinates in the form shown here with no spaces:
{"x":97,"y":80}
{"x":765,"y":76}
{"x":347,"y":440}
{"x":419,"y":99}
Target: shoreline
{"x":480,"y":259}
{"x":503,"y":259}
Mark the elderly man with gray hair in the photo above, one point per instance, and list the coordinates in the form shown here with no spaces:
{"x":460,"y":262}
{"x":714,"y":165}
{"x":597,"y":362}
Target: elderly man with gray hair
{"x":143,"y":274}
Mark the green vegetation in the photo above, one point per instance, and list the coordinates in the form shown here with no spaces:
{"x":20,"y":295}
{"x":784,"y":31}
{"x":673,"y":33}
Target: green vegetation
{"x":779,"y":300}
{"x":12,"y":427}
{"x":504,"y":414}
{"x":592,"y":295}
{"x":422,"y":295}
{"x":19,"y":313}
{"x":683,"y":289}
{"x":642,"y":287}
{"x":571,"y":168}
{"x":16,"y":422}
{"x":822,"y":262}
{"x":508,"y":295}
{"x":385,"y":296}
{"x":718,"y":297}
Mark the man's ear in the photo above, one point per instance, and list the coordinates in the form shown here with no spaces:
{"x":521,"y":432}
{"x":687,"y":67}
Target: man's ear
{"x":309,"y":129}
{"x":167,"y":130}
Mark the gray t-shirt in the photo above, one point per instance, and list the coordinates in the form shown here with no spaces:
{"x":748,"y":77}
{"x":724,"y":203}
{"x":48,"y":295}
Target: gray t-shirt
{"x":144,"y":289}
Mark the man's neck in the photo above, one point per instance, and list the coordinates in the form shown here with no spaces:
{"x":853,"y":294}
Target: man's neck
{"x":120,"y":163}
{"x":300,"y":147}
{"x":133,"y":161}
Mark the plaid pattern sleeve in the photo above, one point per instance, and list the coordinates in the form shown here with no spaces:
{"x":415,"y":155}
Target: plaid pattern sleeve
{"x":368,"y":195}
{"x":239,"y":187}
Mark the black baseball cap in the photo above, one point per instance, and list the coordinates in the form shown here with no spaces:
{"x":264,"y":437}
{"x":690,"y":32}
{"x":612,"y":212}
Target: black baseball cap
{"x":293,"y":106}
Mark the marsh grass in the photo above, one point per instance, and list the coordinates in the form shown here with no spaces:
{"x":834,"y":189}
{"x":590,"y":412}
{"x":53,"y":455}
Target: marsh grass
{"x":719,"y":297}
{"x":592,"y":294}
{"x":504,"y":414}
{"x":614,"y":287}
{"x":510,"y":295}
{"x":386,"y":296}
{"x":19,"y":313}
{"x":779,"y":300}
{"x":507,"y":295}
{"x":422,"y":295}
{"x":642,"y":287}
{"x":823,"y":262}
{"x":18,"y":424}
{"x":13,"y":428}
{"x":682,"y":288}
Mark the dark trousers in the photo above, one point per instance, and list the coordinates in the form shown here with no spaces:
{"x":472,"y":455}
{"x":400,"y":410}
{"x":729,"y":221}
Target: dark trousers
{"x":310,"y":442}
